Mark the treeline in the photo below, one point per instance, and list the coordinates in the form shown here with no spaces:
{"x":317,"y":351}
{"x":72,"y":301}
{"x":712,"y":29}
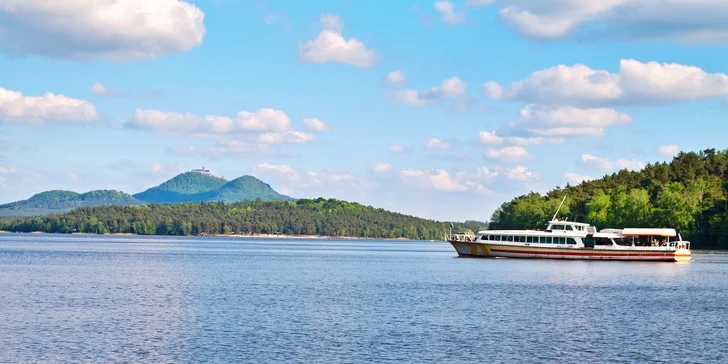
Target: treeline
{"x":688,"y":194}
{"x":303,"y":217}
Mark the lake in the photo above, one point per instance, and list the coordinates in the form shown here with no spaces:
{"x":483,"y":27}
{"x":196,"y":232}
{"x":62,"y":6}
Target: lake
{"x":91,"y":298}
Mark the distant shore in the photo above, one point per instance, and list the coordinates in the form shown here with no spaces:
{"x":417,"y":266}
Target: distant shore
{"x":240,"y":236}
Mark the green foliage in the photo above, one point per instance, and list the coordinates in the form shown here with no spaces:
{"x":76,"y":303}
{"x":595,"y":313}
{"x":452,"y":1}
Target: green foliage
{"x":60,"y":201}
{"x":688,"y":194}
{"x":302,"y":217}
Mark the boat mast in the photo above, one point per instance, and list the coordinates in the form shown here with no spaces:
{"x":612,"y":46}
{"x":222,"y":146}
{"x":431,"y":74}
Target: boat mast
{"x":557,"y":210}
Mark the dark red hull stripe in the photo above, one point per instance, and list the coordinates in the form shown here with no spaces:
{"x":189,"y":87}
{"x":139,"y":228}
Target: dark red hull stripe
{"x":657,"y":255}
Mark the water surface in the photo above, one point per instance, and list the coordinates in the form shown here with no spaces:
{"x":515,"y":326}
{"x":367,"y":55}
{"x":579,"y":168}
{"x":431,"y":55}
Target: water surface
{"x":168,"y":299}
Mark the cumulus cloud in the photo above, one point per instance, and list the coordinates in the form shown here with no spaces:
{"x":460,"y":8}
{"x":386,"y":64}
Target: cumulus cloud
{"x":452,"y":89}
{"x":606,"y":164}
{"x":520,"y":173}
{"x":380,"y":167}
{"x":287,"y":137}
{"x":514,"y":154}
{"x":313,"y":124}
{"x":447,"y":11}
{"x":72,"y":176}
{"x":490,"y":138}
{"x":19,"y":109}
{"x":440,"y":180}
{"x":634,"y":83}
{"x":331,"y":46}
{"x":575,"y":178}
{"x":437,"y":144}
{"x":399,"y":148}
{"x":99,"y":89}
{"x":284,"y":170}
{"x":395,"y":78}
{"x":565,"y":121}
{"x":189,"y":124}
{"x":703,"y":21}
{"x":669,"y":150}
{"x":115,"y":30}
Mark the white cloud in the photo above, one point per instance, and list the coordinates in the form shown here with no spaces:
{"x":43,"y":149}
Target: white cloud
{"x":287,"y":137}
{"x":313,"y":124}
{"x":478,"y":3}
{"x":19,"y":109}
{"x":395,"y":78}
{"x":99,"y":89}
{"x":489,"y":137}
{"x":380,"y":167}
{"x":436,"y":144}
{"x":72,"y":176}
{"x":520,"y":173}
{"x":453,"y":89}
{"x":605,"y":164}
{"x":669,"y":150}
{"x":284,"y":170}
{"x":575,"y":178}
{"x":448,"y":14}
{"x":701,"y":21}
{"x":331,"y":46}
{"x":399,"y":148}
{"x":634,"y":83}
{"x":515,"y":154}
{"x":7,"y":170}
{"x":116,"y":30}
{"x":521,"y":141}
{"x":189,"y":124}
{"x":436,"y":180}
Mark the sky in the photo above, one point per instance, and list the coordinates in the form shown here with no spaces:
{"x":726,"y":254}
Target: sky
{"x":437,"y":109}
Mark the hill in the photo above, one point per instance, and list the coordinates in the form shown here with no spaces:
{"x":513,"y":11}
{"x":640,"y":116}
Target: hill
{"x":688,"y":194}
{"x":242,"y":189}
{"x":56,"y":201}
{"x":181,"y":188}
{"x":302,"y":217}
{"x":185,"y":187}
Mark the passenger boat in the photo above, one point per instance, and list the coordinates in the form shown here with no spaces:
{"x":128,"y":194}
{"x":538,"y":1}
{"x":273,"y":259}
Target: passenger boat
{"x":563,"y":239}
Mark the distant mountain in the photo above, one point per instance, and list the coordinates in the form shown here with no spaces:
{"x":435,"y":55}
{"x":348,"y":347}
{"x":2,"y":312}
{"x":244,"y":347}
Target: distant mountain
{"x":58,"y":201}
{"x":186,"y":187}
{"x":244,"y":188}
{"x":182,"y":188}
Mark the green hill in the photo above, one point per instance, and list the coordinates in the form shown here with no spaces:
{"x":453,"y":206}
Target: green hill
{"x":181,"y":188}
{"x":301,"y":217}
{"x":57,"y":201}
{"x":186,"y":187}
{"x":690,"y":194}
{"x":242,"y":189}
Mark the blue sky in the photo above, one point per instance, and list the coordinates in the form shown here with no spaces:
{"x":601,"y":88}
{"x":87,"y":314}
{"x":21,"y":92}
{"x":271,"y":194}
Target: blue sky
{"x":438,"y":109}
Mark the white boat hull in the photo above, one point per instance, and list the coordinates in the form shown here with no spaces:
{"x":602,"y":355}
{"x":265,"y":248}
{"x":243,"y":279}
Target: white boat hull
{"x":479,"y":249}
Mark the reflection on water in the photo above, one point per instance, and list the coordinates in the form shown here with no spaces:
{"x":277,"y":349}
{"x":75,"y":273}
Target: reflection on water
{"x":99,"y":298}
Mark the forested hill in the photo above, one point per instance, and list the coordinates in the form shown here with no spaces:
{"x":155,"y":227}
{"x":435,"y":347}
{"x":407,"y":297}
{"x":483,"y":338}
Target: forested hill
{"x":302,"y":217}
{"x":688,"y":194}
{"x":57,"y":201}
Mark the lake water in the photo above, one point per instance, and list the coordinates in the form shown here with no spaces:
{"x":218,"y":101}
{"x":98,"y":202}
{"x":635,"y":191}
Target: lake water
{"x":157,"y":299}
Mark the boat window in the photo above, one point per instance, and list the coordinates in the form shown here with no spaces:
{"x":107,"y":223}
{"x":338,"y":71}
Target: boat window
{"x":485,"y":237}
{"x":557,"y":227}
{"x":495,"y":237}
{"x":569,"y":227}
{"x":545,"y":240}
{"x":603,"y":241}
{"x":510,"y":238}
{"x":521,"y":239}
{"x":559,"y":240}
{"x":532,"y":239}
{"x":570,"y":241}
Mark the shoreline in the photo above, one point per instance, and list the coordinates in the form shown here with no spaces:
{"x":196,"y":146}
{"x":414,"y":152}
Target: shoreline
{"x":239,"y":236}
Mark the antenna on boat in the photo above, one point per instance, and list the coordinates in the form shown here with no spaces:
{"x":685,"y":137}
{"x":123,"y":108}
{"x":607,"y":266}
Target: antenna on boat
{"x":557,"y":210}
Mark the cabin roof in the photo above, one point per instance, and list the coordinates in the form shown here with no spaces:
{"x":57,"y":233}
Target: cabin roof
{"x":648,"y":232}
